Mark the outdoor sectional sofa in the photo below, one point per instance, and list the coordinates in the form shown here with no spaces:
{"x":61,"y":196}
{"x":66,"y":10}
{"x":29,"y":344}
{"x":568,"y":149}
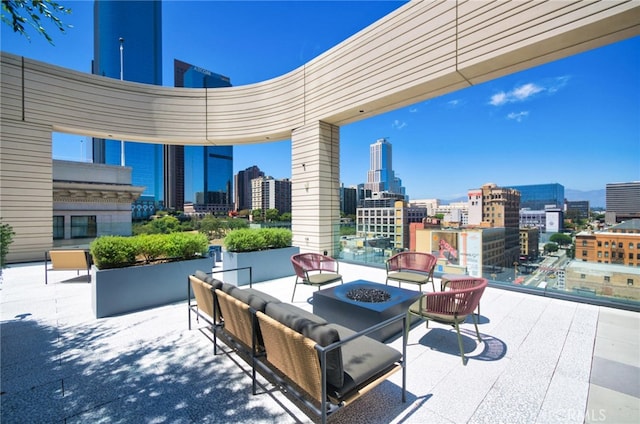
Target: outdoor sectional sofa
{"x":322,"y":365}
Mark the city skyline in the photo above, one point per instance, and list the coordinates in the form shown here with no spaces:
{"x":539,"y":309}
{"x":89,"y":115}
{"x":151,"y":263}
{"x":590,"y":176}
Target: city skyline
{"x":545,"y":125}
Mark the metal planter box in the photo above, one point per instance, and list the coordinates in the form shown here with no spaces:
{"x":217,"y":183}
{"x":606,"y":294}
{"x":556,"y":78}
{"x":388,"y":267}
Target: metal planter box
{"x":122,"y":290}
{"x":265,"y":265}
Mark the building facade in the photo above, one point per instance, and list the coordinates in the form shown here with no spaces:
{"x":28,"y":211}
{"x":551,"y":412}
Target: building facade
{"x":381,"y":177}
{"x":138,"y":58}
{"x":91,"y":200}
{"x":348,"y":200}
{"x":201,"y":176}
{"x":619,"y":244}
{"x":497,"y":207}
{"x":623,"y":202}
{"x":270,"y":193}
{"x":539,"y":196}
{"x":242,"y":185}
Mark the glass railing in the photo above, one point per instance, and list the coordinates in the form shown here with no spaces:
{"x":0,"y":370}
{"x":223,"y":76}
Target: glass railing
{"x":551,"y":276}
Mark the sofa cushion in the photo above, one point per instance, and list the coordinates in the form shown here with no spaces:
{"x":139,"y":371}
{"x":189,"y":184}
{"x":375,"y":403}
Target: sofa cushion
{"x":315,"y":328}
{"x":362,"y":359}
{"x":207,"y":278}
{"x":255,"y":298}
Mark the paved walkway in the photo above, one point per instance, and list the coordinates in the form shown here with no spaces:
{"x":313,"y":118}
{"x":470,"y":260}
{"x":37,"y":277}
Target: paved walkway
{"x":542,"y":360}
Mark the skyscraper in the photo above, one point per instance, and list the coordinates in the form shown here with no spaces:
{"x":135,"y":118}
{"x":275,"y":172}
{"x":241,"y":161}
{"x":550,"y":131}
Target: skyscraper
{"x":380,"y":177}
{"x":242,"y":185}
{"x":200,"y":175}
{"x":138,"y":58}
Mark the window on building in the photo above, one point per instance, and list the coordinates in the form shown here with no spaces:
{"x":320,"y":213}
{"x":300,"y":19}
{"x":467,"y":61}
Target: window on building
{"x":630,"y":255}
{"x":607,"y":279}
{"x":599,"y":243}
{"x":606,"y":254}
{"x":58,"y":227}
{"x":599,"y":254}
{"x":606,"y":244}
{"x":584,"y":253}
{"x":630,"y":245}
{"x":629,"y":281}
{"x":620,"y":245}
{"x":83,"y":226}
{"x":582,"y":276}
{"x":584,"y":243}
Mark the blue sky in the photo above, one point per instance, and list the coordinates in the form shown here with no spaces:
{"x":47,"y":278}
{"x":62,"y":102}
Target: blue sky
{"x":575,"y":121}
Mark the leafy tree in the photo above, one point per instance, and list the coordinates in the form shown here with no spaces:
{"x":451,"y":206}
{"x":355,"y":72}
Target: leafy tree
{"x":165,"y":225}
{"x":550,"y":247}
{"x":272,"y":214}
{"x":234,"y":224}
{"x":18,"y":13}
{"x":286,"y":217}
{"x":257,"y":215}
{"x":561,"y":239}
{"x":212,"y":227}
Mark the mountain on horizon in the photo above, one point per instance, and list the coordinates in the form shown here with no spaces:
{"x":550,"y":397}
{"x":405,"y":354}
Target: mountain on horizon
{"x":596,"y":198}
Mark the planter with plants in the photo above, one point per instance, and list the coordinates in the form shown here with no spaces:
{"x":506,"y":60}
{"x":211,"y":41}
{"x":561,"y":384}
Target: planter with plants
{"x":6,"y":238}
{"x":267,"y":251}
{"x":145,"y":271}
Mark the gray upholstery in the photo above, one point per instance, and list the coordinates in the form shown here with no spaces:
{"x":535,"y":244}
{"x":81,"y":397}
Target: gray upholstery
{"x":315,"y":328}
{"x":362,"y":359}
{"x":255,"y":298}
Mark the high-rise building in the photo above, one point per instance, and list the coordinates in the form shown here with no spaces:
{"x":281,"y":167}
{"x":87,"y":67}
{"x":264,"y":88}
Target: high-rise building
{"x":198,"y":175}
{"x":380,"y":177}
{"x":538,"y":196}
{"x":269,"y":193}
{"x":348,"y":200}
{"x":242,"y":184}
{"x":128,"y":46}
{"x":623,"y":201}
{"x":498,"y":207}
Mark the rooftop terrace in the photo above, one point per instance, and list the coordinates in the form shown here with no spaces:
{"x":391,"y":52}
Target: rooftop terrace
{"x":542,"y":360}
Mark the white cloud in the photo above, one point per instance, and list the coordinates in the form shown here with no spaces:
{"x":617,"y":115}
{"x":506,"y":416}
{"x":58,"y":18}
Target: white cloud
{"x":529,"y":90}
{"x":518,"y":116}
{"x":454,"y":103}
{"x":398,"y":124}
{"x":413,"y":110}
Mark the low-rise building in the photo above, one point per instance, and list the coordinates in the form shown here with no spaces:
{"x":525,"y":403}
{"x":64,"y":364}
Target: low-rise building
{"x":91,"y":200}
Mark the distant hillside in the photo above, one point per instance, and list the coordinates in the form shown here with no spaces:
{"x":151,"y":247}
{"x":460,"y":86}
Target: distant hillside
{"x":596,"y":198}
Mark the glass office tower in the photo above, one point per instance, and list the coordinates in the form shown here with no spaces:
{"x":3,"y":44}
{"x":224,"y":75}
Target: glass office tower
{"x":538,"y":196}
{"x":139,"y":24}
{"x":200,"y":176}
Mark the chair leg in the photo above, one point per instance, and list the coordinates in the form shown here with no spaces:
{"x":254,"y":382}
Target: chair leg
{"x":460,"y":343}
{"x":475,"y":322}
{"x":294,"y":289}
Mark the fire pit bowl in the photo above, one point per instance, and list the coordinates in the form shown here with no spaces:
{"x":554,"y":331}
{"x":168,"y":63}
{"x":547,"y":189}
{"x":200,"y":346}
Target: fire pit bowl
{"x":360,"y":304}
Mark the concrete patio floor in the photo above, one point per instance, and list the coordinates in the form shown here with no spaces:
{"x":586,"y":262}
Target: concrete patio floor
{"x":542,"y":360}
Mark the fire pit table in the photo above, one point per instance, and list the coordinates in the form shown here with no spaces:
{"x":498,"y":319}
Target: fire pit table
{"x":361,"y":304}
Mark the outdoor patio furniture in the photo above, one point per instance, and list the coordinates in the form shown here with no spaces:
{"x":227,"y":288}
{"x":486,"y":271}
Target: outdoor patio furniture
{"x":323,"y":365}
{"x":411,"y":267}
{"x":451,"y":307}
{"x":202,"y":286}
{"x":459,"y":281}
{"x":67,"y":260}
{"x":314,"y":269}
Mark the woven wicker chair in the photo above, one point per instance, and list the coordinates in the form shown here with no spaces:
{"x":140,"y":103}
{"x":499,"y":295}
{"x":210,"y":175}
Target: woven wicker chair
{"x":451,"y":307}
{"x":314,"y":269}
{"x":202,"y":286}
{"x":411,"y":267}
{"x":460,"y":282}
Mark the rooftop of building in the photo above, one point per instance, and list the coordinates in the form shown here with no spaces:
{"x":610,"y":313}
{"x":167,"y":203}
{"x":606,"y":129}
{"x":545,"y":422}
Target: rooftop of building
{"x":542,"y":360}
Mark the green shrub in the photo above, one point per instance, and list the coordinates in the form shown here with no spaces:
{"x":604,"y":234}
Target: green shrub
{"x":151,"y":246}
{"x":119,"y":252}
{"x":186,"y":245}
{"x":247,"y":240}
{"x":6,"y":238}
{"x":277,"y":238}
{"x":113,"y":251}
